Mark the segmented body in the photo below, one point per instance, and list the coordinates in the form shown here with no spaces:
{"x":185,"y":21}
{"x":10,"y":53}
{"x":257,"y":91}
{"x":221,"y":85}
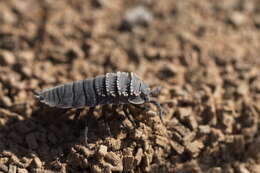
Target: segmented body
{"x":111,"y":88}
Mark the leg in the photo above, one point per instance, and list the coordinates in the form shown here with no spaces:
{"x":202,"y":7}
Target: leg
{"x":127,"y":114}
{"x":90,"y":111}
{"x":78,"y":111}
{"x":104,"y":117}
{"x":143,"y":108}
{"x":114,"y":107}
{"x":86,"y":135}
{"x":159,"y":107}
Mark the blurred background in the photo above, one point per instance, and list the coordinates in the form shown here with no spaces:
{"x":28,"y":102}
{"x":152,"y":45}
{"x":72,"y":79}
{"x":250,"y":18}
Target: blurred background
{"x":204,"y":54}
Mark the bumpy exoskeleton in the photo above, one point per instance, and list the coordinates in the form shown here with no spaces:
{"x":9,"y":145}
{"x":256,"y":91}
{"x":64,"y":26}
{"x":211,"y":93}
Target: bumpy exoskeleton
{"x":111,"y":88}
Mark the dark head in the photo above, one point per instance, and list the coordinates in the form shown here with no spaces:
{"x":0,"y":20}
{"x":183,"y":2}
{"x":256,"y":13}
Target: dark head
{"x":144,"y":95}
{"x":145,"y":92}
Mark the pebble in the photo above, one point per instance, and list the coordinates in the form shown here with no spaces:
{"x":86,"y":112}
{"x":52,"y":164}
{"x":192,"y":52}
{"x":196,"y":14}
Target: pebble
{"x":194,"y":147}
{"x":257,"y":20}
{"x":177,"y":147}
{"x":113,"y":158}
{"x":26,"y":56}
{"x":6,"y":101}
{"x":243,"y":169}
{"x":7,"y":57}
{"x":128,"y":162}
{"x":22,"y":170}
{"x":102,"y":151}
{"x":204,"y":129}
{"x":3,"y":168}
{"x":12,"y":169}
{"x":37,"y":162}
{"x":238,"y":18}
{"x":138,"y":156}
{"x":137,"y":16}
{"x":162,"y":141}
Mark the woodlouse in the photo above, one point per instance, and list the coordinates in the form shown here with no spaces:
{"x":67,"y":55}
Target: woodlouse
{"x":119,"y":88}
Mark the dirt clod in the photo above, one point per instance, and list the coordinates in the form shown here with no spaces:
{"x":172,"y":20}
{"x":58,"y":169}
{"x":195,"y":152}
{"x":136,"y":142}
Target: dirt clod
{"x":128,"y":162}
{"x":194,"y":148}
{"x":12,"y":169}
{"x":7,"y":58}
{"x":102,"y":151}
{"x":21,"y":170}
{"x":136,"y":16}
{"x":3,"y":168}
{"x":138,"y":156}
{"x":37,"y":162}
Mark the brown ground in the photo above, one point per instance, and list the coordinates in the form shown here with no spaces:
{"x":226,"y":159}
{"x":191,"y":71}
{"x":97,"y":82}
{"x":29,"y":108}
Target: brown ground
{"x":205,"y":55}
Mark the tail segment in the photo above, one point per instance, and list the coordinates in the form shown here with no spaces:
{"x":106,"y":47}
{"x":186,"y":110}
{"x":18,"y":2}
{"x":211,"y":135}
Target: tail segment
{"x":38,"y":95}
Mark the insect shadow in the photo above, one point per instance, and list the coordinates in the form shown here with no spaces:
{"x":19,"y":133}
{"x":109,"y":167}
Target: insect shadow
{"x":89,"y":124}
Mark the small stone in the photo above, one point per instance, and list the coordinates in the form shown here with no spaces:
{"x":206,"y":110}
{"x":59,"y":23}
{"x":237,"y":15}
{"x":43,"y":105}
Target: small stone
{"x":183,"y":112}
{"x":136,"y":16}
{"x":189,"y":137}
{"x":195,"y":147}
{"x":257,"y":20}
{"x":3,"y":168}
{"x":255,"y":168}
{"x":37,"y":162}
{"x":138,"y":134}
{"x":138,"y":156}
{"x":127,"y":151}
{"x":102,"y":151}
{"x":22,"y":170}
{"x":215,"y":170}
{"x":115,"y":160}
{"x":7,"y":58}
{"x":228,"y":121}
{"x":191,"y":122}
{"x":7,"y":15}
{"x":26,"y":56}
{"x":114,"y":144}
{"x":204,"y":129}
{"x":12,"y":169}
{"x":87,"y":152}
{"x":243,"y":169}
{"x":26,"y":71}
{"x":242,"y":89}
{"x":238,"y":18}
{"x":150,"y":52}
{"x":6,"y":101}
{"x":177,"y":147}
{"x":107,"y":169}
{"x":162,"y":141}
{"x":147,"y":163}
{"x":16,"y":161}
{"x":182,"y":130}
{"x":128,"y":163}
{"x":96,"y":169}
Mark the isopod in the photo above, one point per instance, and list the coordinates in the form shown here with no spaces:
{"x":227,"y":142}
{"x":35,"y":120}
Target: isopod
{"x":121,"y":88}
